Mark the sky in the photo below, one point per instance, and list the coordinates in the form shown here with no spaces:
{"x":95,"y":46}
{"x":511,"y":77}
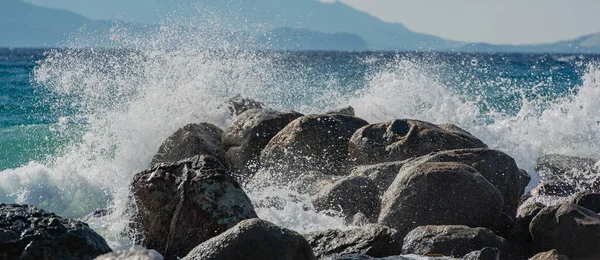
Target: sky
{"x":489,"y":21}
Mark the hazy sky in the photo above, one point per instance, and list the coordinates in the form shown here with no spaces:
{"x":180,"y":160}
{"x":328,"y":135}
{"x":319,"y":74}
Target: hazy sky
{"x":491,"y":21}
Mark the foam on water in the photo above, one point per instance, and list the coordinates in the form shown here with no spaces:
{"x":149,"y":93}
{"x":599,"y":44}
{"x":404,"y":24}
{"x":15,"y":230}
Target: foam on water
{"x":129,"y":102}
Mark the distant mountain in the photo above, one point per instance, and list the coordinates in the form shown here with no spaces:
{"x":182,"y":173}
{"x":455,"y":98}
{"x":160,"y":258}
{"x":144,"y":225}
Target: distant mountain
{"x":303,"y":39}
{"x":585,"y":44}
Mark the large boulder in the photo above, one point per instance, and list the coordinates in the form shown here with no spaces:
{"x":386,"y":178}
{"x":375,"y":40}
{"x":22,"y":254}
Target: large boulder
{"x":28,"y":232}
{"x":577,"y":171}
{"x":553,"y":188}
{"x":183,"y":204}
{"x":440,"y":194}
{"x":402,"y":139}
{"x":189,"y":141}
{"x":311,"y":143}
{"x":350,"y":195}
{"x":519,"y":237}
{"x":249,"y":133}
{"x":254,"y":239}
{"x":571,"y":229}
{"x":372,"y":240}
{"x":497,"y":167}
{"x":549,"y":255}
{"x":348,"y":111}
{"x":455,"y":241}
{"x":588,"y":200}
{"x":383,"y":174}
{"x":131,"y":255}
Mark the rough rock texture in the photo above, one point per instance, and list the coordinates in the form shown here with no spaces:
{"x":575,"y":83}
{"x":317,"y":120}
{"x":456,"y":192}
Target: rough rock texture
{"x":383,"y":174}
{"x":131,"y":255}
{"x":578,"y":171}
{"x":456,"y":241}
{"x":249,"y":133}
{"x":27,"y":232}
{"x":311,"y":143}
{"x":254,"y":239}
{"x":238,"y":104}
{"x":588,"y":200}
{"x":488,"y":253}
{"x":189,"y":141}
{"x":312,"y":182}
{"x":519,"y":237}
{"x":497,"y":167}
{"x":553,"y":188}
{"x":372,"y":240}
{"x":350,"y":195}
{"x":550,"y":255}
{"x":440,"y":194}
{"x":402,"y":139}
{"x":348,"y":111}
{"x":184,"y":204}
{"x":572,"y":230}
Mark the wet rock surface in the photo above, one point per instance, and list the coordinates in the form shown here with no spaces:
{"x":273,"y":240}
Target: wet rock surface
{"x":350,"y":196}
{"x":456,"y":241}
{"x":311,"y":143}
{"x":571,"y":229}
{"x":131,"y":255}
{"x":254,"y":239}
{"x":382,"y":174}
{"x":249,"y":133}
{"x":28,"y":232}
{"x":183,"y":204}
{"x":440,"y":194}
{"x":372,"y":240}
{"x":189,"y":141}
{"x":402,"y":139}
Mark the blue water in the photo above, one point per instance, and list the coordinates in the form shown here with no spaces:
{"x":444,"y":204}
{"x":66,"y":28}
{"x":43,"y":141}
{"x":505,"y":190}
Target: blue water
{"x":75,"y":125}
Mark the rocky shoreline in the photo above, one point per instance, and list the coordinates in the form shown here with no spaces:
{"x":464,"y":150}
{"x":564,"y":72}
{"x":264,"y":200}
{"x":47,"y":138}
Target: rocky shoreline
{"x":415,"y":190}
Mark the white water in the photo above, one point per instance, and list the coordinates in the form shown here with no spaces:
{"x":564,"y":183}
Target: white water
{"x":132,"y":103}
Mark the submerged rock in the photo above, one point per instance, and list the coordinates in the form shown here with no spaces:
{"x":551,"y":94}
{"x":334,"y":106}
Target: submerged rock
{"x":403,"y":139}
{"x":183,"y":204}
{"x":131,"y":255}
{"x":28,"y":232}
{"x":440,"y":194}
{"x":371,"y":240}
{"x":311,"y":143}
{"x":254,"y":239}
{"x":488,"y":253}
{"x":456,"y":241}
{"x":553,"y":188}
{"x":572,"y":230}
{"x":189,"y":141}
{"x":350,"y":196}
{"x":495,"y":166}
{"x":588,"y":200}
{"x":577,"y":171}
{"x":249,"y":133}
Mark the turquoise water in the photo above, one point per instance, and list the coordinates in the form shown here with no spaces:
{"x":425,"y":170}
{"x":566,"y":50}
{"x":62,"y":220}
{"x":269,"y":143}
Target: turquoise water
{"x":75,"y":125}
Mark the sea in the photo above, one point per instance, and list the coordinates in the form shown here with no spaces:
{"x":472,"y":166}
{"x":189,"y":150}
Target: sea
{"x":77,"y":123}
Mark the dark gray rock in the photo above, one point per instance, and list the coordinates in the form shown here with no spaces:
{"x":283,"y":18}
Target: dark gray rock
{"x":254,"y":239}
{"x":311,"y":143}
{"x":183,"y":204}
{"x":131,"y":255}
{"x":372,"y":240}
{"x":456,"y":241}
{"x":440,"y":194}
{"x":313,"y":182}
{"x":519,"y":237}
{"x":238,"y":105}
{"x":588,"y":200}
{"x":550,"y":255}
{"x":554,"y":188}
{"x":249,"y":133}
{"x":403,"y":139}
{"x":497,"y":167}
{"x":28,"y":232}
{"x":383,"y":174}
{"x":572,"y":230}
{"x":350,"y":195}
{"x":347,"y":111}
{"x":488,"y":253}
{"x":189,"y":141}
